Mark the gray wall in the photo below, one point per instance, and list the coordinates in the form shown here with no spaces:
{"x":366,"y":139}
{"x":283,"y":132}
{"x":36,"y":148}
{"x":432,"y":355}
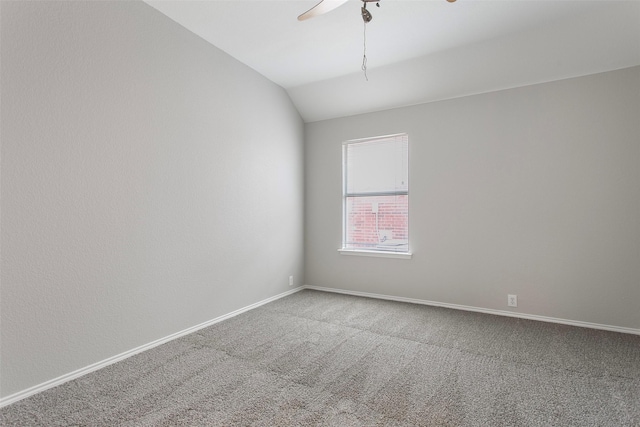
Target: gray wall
{"x":533,"y":191}
{"x":150,"y":183}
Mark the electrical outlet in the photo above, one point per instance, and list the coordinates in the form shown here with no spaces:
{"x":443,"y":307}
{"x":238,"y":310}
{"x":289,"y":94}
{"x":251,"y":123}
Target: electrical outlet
{"x":512,"y":300}
{"x":290,"y":280}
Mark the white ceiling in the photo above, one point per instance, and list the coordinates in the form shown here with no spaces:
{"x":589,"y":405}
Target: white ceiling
{"x":417,"y":50}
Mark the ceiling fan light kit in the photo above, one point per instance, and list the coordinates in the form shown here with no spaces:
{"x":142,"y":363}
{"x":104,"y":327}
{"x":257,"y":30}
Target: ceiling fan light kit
{"x":325,"y":6}
{"x":366,"y":15}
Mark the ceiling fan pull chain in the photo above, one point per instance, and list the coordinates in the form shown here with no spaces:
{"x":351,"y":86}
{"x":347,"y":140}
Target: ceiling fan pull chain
{"x":364,"y":54}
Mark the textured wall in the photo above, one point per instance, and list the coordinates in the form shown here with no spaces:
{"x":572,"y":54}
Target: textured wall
{"x":150,"y":182}
{"x":532,"y":191}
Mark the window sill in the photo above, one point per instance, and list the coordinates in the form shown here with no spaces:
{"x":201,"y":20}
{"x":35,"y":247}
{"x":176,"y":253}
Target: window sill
{"x":379,"y":254}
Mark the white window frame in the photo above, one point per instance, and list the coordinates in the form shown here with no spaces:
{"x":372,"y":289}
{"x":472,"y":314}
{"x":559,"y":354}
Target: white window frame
{"x":345,"y":194}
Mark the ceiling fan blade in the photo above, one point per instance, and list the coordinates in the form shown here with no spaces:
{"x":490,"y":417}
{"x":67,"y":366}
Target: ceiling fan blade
{"x":323,"y":7}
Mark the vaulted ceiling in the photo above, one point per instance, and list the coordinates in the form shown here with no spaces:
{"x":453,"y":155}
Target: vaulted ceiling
{"x":417,"y":50}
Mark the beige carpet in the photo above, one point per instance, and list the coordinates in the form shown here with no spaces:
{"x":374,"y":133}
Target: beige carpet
{"x":325,"y":359}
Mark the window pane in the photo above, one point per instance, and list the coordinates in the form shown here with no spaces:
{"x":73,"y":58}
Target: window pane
{"x":379,"y":223}
{"x":379,"y":165}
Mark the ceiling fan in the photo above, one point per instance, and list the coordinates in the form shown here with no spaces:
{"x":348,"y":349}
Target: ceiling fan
{"x":325,"y":6}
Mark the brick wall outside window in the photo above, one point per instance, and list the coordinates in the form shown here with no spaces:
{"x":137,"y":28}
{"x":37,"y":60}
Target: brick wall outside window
{"x":392,"y":220}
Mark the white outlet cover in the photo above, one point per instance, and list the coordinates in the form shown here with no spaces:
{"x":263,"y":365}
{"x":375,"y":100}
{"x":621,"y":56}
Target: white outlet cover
{"x":512,"y":300}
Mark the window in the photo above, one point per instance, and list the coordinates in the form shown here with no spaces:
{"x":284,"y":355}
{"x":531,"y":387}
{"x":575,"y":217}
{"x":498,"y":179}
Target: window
{"x":376,"y":195}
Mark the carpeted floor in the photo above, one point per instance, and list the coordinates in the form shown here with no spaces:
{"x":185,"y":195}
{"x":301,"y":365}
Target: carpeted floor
{"x":316,"y":358}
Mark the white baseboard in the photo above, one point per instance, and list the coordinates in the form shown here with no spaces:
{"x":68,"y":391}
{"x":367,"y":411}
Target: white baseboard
{"x":581,"y":324}
{"x":99,"y":365}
